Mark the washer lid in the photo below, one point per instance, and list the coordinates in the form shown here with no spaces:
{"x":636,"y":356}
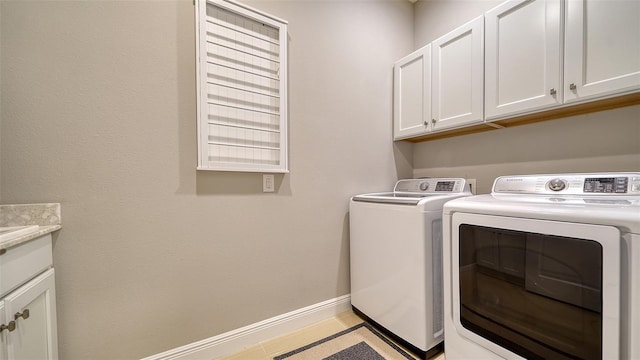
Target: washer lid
{"x":391,"y":198}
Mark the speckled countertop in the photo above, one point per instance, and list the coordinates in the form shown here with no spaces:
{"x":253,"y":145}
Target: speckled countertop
{"x":47,"y":216}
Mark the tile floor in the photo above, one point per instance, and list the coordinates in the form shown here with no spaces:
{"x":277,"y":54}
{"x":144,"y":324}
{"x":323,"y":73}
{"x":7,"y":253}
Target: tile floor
{"x":266,"y":350}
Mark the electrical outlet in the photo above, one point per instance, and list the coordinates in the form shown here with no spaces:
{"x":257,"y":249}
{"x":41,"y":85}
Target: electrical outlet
{"x":472,"y":185}
{"x":268,"y":183}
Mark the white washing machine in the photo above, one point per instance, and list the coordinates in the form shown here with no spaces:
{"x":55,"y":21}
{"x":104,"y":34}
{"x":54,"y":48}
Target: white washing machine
{"x":544,"y":267}
{"x":396,"y":258}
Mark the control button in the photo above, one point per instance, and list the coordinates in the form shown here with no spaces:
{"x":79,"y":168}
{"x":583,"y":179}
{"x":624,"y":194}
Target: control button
{"x":424,"y":186}
{"x":556,"y":185}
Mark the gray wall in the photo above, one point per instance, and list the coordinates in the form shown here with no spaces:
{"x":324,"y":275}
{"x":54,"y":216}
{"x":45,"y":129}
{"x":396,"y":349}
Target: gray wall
{"x":1,"y":88}
{"x":98,"y":113}
{"x":601,"y":141}
{"x":434,"y":18}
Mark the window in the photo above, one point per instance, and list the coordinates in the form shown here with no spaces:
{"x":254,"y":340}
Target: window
{"x":242,"y":88}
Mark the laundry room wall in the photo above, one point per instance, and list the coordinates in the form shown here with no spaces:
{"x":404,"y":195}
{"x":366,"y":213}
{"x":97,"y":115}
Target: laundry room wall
{"x":99,"y":113}
{"x":599,"y":141}
{"x":1,"y":107}
{"x":434,"y":18}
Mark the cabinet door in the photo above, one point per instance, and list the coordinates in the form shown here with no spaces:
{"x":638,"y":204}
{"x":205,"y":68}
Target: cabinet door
{"x":458,"y":73}
{"x":523,"y":57}
{"x":35,"y":336}
{"x":412,"y":94}
{"x":602,"y":48}
{"x":3,"y":334}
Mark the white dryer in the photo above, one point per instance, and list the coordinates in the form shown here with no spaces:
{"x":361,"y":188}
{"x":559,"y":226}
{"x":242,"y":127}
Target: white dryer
{"x":544,"y":267}
{"x":396,"y":258}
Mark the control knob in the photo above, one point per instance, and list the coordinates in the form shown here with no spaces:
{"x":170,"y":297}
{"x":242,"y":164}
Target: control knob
{"x":424,"y":186}
{"x":557,"y":184}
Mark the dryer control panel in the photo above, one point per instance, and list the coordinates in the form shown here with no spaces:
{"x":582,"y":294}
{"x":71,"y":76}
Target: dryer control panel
{"x":606,"y":185}
{"x":570,"y":184}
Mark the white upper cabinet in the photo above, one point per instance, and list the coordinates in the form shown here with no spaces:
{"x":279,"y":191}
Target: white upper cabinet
{"x":412,"y":94}
{"x":520,"y":59}
{"x":523,"y":57}
{"x":602,"y":48}
{"x":458,"y":73}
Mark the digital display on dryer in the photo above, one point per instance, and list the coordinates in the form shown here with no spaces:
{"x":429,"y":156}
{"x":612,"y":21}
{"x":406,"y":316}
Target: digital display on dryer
{"x":605,"y":185}
{"x":445,"y":185}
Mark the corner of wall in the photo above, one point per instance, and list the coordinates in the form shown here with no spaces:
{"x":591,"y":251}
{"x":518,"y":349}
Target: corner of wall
{"x":1,"y":103}
{"x":414,"y":22}
{"x":403,"y":156}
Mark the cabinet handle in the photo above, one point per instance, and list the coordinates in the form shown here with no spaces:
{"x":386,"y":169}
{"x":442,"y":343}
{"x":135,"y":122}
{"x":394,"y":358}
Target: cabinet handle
{"x":24,"y":314}
{"x":2,"y":251}
{"x":11,"y":326}
{"x":572,"y":86}
{"x":552,"y":91}
{"x":433,"y":121}
{"x":426,"y":123}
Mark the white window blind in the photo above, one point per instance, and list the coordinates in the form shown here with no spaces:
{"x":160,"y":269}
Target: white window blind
{"x":242,"y":78}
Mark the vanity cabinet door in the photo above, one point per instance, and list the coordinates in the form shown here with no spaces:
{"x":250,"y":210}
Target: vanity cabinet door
{"x":523,"y":57}
{"x":602,"y":48}
{"x":412,"y":94}
{"x":3,"y":333}
{"x":458,"y":77}
{"x":32,"y":307}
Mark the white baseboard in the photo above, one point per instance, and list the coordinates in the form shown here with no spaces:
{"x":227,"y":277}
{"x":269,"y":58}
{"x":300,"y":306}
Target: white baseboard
{"x":236,"y":340}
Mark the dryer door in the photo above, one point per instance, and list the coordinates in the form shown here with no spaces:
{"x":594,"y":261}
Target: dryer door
{"x":536,"y":288}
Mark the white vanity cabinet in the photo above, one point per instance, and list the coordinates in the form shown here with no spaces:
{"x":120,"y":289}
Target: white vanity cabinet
{"x":412,"y":94}
{"x":523,"y":57}
{"x":3,"y":324}
{"x":458,"y":77}
{"x":27,"y":302}
{"x":602,"y":48}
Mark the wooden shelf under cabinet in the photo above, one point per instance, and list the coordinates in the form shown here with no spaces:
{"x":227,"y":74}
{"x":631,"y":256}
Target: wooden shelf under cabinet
{"x":557,"y":113}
